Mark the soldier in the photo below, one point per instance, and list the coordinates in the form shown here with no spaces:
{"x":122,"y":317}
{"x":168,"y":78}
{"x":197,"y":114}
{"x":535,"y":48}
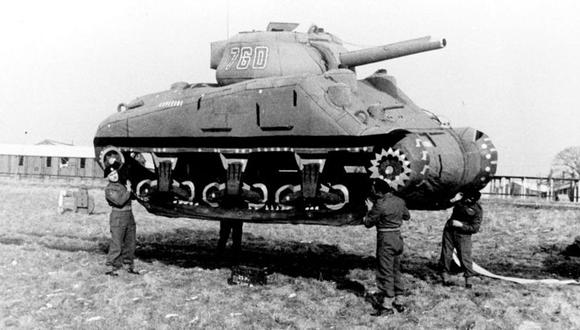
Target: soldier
{"x":227,"y":227}
{"x":387,"y":214}
{"x":465,"y":221}
{"x":235,"y":228}
{"x":122,"y":223}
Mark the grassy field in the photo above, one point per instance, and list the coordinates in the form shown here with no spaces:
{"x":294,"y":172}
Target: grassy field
{"x":52,"y":272}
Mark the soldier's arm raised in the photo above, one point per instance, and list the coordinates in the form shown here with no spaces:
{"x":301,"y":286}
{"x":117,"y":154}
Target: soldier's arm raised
{"x":372,"y":216}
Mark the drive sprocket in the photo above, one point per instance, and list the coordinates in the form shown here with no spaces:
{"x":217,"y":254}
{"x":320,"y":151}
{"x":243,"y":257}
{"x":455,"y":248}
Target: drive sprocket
{"x":391,"y":166}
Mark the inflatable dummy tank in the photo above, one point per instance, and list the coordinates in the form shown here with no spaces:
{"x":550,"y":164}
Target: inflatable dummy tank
{"x":289,"y":135}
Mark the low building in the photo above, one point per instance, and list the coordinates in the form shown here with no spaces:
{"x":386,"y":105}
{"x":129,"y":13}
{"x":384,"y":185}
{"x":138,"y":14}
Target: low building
{"x":49,"y":160}
{"x":551,"y":188}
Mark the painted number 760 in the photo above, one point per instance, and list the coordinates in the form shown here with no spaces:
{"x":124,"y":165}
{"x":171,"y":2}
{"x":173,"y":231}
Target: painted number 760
{"x":248,"y":57}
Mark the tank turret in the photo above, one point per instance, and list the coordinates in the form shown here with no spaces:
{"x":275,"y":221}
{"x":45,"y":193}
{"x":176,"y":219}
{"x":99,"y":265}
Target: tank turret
{"x":279,"y":51}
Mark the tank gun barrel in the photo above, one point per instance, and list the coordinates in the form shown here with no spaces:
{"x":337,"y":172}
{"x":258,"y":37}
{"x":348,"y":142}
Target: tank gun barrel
{"x":387,"y":52}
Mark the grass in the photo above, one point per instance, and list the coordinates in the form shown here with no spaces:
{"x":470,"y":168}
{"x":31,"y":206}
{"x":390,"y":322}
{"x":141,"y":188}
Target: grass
{"x":52,"y":272}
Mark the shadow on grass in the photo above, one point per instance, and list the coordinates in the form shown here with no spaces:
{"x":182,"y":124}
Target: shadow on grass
{"x":197,"y":248}
{"x":562,"y":260}
{"x":555,"y":259}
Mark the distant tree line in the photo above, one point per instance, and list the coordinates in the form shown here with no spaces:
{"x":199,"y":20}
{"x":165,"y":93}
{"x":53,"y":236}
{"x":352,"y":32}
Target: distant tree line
{"x":567,"y":163}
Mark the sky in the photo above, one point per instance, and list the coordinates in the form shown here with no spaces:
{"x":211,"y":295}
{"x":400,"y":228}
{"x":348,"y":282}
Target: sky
{"x":510,"y":69}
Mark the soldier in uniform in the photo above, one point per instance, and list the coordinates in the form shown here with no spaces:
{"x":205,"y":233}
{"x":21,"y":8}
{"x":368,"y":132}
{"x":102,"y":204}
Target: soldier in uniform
{"x":387,"y":215}
{"x":235,"y":228}
{"x":465,"y":221}
{"x":122,"y":223}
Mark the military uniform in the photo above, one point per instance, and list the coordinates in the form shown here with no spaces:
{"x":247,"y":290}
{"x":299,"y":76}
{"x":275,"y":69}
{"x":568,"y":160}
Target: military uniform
{"x":122,"y":224}
{"x":387,"y":214}
{"x":470,"y":215}
{"x":235,"y":228}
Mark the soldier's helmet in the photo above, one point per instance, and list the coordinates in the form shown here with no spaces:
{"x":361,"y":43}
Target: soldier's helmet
{"x":380,"y":187}
{"x":471,"y":195}
{"x":113,"y":166}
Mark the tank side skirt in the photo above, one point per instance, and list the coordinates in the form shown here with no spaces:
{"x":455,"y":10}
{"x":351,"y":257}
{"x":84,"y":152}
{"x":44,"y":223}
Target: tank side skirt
{"x":252,"y":144}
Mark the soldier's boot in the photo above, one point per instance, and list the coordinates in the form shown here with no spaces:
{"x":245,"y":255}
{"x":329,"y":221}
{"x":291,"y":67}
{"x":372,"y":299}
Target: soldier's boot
{"x":468,"y":283}
{"x":386,"y":308}
{"x":399,"y":305}
{"x":445,"y":279}
{"x":383,"y":312}
{"x":112,"y":271}
{"x":131,"y":269}
{"x":376,"y":299}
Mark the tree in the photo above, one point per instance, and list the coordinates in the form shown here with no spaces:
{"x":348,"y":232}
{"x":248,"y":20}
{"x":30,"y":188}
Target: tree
{"x":568,"y":161}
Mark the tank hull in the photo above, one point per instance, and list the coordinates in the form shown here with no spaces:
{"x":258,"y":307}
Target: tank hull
{"x":297,"y":149}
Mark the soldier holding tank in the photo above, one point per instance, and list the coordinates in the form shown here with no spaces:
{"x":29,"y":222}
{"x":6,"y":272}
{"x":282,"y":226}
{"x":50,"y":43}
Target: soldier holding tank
{"x":387,"y":214}
{"x":465,"y":221}
{"x":122,"y":223}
